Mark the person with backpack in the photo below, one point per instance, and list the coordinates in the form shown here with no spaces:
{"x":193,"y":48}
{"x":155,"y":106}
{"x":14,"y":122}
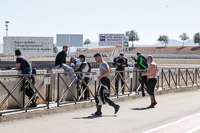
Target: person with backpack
{"x":85,"y":68}
{"x":24,"y":65}
{"x":141,"y":64}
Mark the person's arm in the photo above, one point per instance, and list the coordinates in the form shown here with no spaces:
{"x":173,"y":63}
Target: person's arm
{"x":18,"y":64}
{"x":152,"y":72}
{"x":125,"y":63}
{"x":114,"y":61}
{"x":81,"y":67}
{"x":59,"y":59}
{"x":106,"y":74}
{"x":134,"y":59}
{"x":64,"y":60}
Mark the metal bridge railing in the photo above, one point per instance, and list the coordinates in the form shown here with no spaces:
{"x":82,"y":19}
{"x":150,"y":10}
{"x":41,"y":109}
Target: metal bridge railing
{"x":24,"y":83}
{"x":168,"y":78}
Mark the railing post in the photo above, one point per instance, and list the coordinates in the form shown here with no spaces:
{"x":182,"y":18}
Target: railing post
{"x":48,"y":98}
{"x":169,"y":77}
{"x":179,"y":78}
{"x":176,"y":78}
{"x":136,"y":84}
{"x":131,"y":85}
{"x":24,"y":92}
{"x":162,"y":78}
{"x":186,"y":77}
{"x":193,"y":74}
{"x":58,"y":88}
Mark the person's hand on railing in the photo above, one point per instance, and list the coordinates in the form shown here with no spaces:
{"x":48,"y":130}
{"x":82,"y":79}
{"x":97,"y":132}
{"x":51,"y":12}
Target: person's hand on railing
{"x":143,"y":74}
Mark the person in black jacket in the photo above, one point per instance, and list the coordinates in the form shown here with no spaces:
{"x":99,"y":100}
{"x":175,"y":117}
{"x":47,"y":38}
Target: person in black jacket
{"x":141,"y":64}
{"x":60,"y":62}
{"x":120,"y":62}
{"x":61,"y":57}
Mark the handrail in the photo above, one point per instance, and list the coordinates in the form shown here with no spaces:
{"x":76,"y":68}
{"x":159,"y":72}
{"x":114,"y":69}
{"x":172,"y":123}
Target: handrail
{"x":168,"y":78}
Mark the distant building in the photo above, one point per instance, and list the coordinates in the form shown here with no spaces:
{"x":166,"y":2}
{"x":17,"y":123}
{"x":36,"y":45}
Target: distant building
{"x":30,"y":46}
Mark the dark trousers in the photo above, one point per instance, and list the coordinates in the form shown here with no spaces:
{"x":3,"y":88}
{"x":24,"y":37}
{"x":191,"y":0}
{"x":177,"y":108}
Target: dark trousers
{"x":86,"y":93}
{"x":26,"y":85}
{"x":143,"y":81}
{"x":103,"y":93}
{"x":151,"y":85}
{"x":117,"y":81}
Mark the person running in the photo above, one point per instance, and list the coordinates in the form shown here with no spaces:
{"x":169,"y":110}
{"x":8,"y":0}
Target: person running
{"x":103,"y":91}
{"x":120,"y":62}
{"x":141,"y":64}
{"x":151,"y":79}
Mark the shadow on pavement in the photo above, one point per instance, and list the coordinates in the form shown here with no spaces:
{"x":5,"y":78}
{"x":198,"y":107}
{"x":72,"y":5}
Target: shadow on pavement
{"x":140,"y":108}
{"x":94,"y":117}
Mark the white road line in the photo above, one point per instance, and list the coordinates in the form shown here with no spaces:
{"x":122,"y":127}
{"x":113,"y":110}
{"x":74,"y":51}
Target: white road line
{"x":185,"y":125}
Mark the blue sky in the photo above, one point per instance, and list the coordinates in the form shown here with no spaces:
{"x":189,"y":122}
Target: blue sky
{"x":149,"y":18}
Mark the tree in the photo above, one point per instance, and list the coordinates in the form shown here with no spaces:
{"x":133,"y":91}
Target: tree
{"x":87,"y":41}
{"x":184,"y":37}
{"x":197,"y":38}
{"x":55,"y":49}
{"x":163,"y":39}
{"x":133,"y":36}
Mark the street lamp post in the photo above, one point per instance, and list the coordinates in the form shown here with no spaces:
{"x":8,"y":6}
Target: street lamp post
{"x":7,"y":22}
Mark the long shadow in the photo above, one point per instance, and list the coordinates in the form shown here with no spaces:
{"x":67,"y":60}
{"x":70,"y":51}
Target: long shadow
{"x":140,"y":108}
{"x":180,"y":48}
{"x":195,"y":48}
{"x":94,"y":117}
{"x":160,"y":47}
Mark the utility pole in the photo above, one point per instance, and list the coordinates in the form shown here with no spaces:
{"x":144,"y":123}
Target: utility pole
{"x":7,"y":22}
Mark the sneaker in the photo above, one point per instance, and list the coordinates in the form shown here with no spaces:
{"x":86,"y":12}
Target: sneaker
{"x":153,"y":105}
{"x":97,"y":113}
{"x":117,"y":108}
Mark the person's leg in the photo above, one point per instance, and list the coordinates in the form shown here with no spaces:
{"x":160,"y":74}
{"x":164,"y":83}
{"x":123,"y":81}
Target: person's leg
{"x":122,"y":82}
{"x":30,"y":92}
{"x":86,"y":93}
{"x":98,"y":101}
{"x":142,"y":85}
{"x":69,"y":70}
{"x":106,"y":94}
{"x":117,"y":83}
{"x":111,"y":103}
{"x":151,"y":85}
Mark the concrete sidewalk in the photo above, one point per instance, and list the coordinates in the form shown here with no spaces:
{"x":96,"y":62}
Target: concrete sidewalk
{"x":132,"y":117}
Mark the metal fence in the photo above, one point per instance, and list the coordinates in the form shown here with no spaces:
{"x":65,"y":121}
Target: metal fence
{"x":168,"y":78}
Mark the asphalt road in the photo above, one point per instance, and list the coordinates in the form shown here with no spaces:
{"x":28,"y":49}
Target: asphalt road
{"x":133,"y":117}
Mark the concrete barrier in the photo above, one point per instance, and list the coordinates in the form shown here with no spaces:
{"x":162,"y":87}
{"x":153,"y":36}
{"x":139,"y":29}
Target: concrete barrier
{"x":18,"y":94}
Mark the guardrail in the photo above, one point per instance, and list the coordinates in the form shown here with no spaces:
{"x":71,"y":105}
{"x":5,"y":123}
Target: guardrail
{"x":169,"y":78}
{"x":23,"y":84}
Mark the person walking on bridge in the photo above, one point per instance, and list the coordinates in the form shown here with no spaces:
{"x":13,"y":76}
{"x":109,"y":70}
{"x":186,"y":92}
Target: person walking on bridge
{"x":151,"y":74}
{"x":103,"y":91}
